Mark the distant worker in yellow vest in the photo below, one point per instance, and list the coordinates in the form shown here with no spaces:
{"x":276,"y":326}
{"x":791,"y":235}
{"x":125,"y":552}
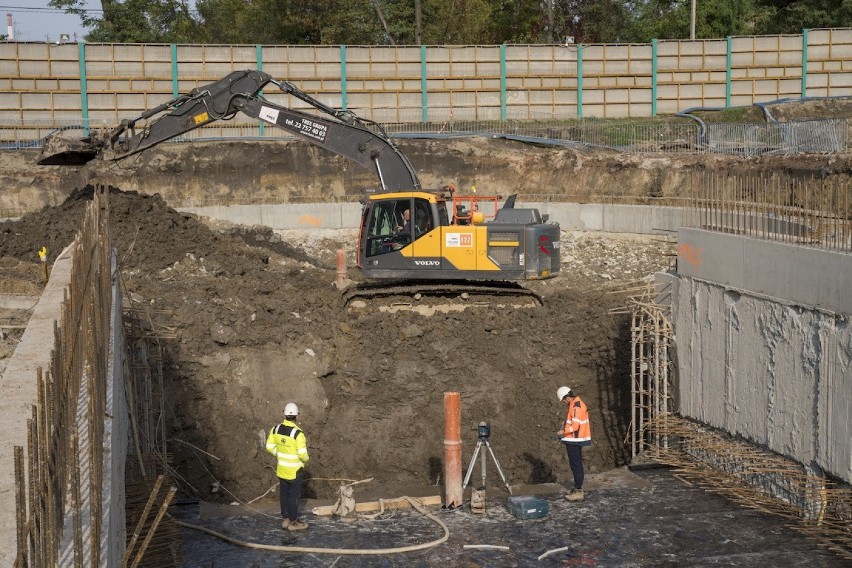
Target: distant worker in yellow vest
{"x":575,"y":433}
{"x":288,"y":444}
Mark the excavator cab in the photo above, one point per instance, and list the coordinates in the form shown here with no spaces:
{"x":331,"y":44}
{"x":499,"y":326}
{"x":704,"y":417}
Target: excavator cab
{"x":395,"y":222}
{"x":409,"y":235}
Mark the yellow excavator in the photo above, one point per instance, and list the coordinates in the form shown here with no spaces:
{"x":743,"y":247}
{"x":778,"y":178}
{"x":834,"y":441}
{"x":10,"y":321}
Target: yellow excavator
{"x":406,"y":233}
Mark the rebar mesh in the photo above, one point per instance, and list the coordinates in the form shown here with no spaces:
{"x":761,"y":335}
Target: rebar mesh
{"x":808,"y":210}
{"x":64,"y":473}
{"x":757,"y":478}
{"x":60,"y":483}
{"x":651,"y":340}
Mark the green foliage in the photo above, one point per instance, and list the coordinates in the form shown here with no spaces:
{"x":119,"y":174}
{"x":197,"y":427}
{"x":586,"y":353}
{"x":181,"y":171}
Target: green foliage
{"x":135,"y":21}
{"x":465,"y":22}
{"x":669,"y":19}
{"x":790,"y":16}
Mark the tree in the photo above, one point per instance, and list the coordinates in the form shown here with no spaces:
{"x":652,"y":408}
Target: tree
{"x":790,"y":16}
{"x":669,"y":19}
{"x":518,"y":21}
{"x":594,"y":21}
{"x":135,"y":21}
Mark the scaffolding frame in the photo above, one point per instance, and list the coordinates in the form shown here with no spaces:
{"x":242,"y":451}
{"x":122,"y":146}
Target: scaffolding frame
{"x":651,"y":337}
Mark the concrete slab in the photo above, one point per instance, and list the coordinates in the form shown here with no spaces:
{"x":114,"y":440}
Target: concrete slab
{"x":18,"y":394}
{"x":660,"y":522}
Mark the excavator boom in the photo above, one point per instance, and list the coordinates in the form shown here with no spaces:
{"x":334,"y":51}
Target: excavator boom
{"x":406,"y":233}
{"x":342,"y":133}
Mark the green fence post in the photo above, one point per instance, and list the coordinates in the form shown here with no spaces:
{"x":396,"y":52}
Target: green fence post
{"x":84,"y":94}
{"x":805,"y":63}
{"x":503,"y":82}
{"x":580,"y":81}
{"x":654,"y":77}
{"x":174,"y":71}
{"x":424,"y":86}
{"x":728,"y":73}
{"x":344,"y":103}
{"x":258,"y":51}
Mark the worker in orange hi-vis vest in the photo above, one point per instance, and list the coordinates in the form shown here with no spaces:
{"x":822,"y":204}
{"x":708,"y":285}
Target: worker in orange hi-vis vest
{"x":575,"y":433}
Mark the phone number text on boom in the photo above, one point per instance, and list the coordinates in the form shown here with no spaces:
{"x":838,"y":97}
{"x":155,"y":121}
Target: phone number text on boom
{"x":308,"y":128}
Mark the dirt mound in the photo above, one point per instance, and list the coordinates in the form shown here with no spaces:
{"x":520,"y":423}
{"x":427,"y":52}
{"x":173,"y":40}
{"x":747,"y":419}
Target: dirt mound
{"x":257,"y":324}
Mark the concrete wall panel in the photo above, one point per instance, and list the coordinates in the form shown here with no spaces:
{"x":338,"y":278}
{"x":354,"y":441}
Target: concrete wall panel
{"x":774,"y":269}
{"x":765,"y":345}
{"x":570,"y":216}
{"x":776,"y":374}
{"x":834,"y":401}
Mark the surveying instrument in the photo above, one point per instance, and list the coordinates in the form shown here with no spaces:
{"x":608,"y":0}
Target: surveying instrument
{"x":484,"y":432}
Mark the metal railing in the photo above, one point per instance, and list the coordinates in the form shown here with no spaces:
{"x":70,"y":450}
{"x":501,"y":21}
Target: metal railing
{"x":825,"y":136}
{"x":669,"y":136}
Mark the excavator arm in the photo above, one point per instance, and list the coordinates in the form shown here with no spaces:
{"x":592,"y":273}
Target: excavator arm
{"x":342,"y":133}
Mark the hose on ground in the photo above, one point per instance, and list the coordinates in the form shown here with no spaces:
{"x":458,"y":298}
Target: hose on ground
{"x":340,"y":551}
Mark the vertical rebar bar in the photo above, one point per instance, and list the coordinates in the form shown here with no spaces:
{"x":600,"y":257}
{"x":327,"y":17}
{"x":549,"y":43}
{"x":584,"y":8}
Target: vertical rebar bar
{"x":633,"y":390}
{"x":162,"y":511}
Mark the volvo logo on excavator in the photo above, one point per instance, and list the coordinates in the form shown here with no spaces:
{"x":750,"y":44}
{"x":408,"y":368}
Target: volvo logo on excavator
{"x":427,"y":263}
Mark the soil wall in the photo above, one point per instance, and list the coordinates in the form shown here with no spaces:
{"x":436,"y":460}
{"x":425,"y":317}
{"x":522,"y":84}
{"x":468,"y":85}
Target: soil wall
{"x":222,"y":173}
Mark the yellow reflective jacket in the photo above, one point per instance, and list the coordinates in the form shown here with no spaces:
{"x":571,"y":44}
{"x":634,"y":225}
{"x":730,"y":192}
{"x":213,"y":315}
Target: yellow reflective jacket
{"x":288,"y":444}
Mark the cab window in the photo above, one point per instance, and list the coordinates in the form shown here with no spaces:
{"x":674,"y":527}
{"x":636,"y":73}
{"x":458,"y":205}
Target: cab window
{"x":385,"y":228}
{"x":422,"y":222}
{"x":395,"y":223}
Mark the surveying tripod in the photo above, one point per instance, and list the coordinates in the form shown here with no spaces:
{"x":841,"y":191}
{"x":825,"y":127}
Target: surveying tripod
{"x":484,"y":431}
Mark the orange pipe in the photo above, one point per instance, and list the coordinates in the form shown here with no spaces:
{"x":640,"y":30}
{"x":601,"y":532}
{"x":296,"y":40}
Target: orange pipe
{"x":341,"y":266}
{"x":452,"y":450}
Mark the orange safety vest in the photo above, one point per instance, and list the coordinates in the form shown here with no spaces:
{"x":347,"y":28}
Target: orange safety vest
{"x":577,"y":428}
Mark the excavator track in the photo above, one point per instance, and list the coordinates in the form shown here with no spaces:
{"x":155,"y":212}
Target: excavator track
{"x":448,"y":290}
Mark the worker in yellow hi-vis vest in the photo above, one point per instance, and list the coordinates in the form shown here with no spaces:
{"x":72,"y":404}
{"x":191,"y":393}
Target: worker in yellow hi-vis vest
{"x":287,"y":442}
{"x":42,"y":254}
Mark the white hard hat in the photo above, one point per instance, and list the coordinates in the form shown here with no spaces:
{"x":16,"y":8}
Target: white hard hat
{"x":291,"y":409}
{"x":562,"y":391}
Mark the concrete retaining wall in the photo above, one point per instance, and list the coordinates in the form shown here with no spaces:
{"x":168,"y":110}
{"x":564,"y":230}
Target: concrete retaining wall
{"x":18,"y":387}
{"x":116,"y":429}
{"x":19,"y":395}
{"x":642,"y":219}
{"x":756,"y":357}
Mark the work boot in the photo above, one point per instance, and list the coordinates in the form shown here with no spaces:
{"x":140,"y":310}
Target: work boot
{"x":575,"y":495}
{"x":297,"y":526}
{"x":285,"y":523}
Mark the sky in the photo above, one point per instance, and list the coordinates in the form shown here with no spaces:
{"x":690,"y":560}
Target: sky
{"x":34,"y":20}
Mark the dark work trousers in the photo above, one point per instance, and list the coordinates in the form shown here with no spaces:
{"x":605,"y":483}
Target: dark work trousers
{"x":289,"y":495}
{"x":575,"y":460}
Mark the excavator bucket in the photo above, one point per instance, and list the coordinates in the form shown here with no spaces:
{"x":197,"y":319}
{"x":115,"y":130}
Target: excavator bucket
{"x":58,"y":150}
